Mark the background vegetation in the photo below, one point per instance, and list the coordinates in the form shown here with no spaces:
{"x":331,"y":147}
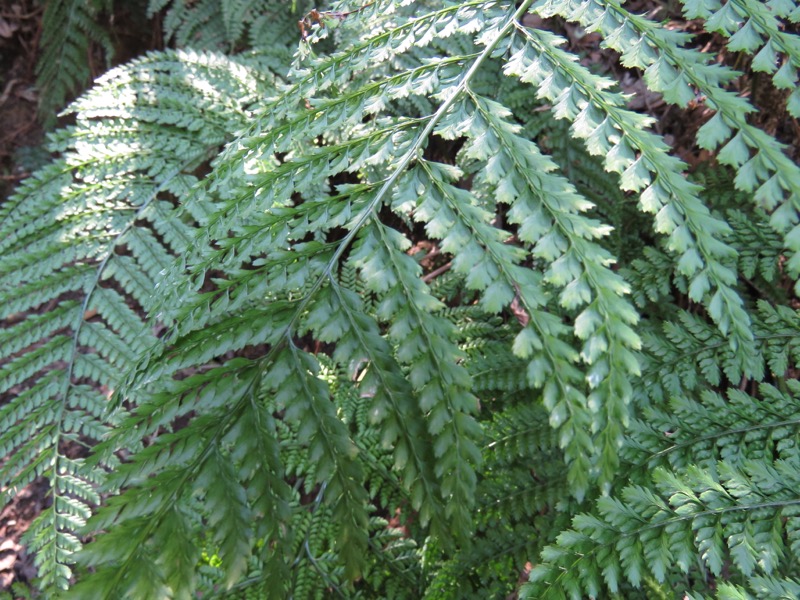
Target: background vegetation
{"x":403,"y":299}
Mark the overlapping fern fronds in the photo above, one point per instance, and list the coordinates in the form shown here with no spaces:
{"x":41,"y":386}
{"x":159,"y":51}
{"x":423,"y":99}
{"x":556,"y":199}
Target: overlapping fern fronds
{"x":363,"y":331}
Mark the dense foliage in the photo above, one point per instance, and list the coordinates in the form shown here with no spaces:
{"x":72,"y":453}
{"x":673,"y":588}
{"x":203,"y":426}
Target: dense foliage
{"x":409,"y":303}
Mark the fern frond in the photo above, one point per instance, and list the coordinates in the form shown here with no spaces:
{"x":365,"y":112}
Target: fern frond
{"x":762,"y":166}
{"x":552,"y":223}
{"x":756,"y":28}
{"x":366,"y":332}
{"x":759,"y":248}
{"x":523,"y":483}
{"x":110,"y":212}
{"x":68,"y":28}
{"x":392,"y":404}
{"x":643,"y":163}
{"x":269,"y":26}
{"x":713,"y":428}
{"x":690,"y":355}
{"x":423,"y":345}
{"x":456,"y":460}
{"x":733,"y":510}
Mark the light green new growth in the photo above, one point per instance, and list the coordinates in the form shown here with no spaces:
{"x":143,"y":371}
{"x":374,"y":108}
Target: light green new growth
{"x":399,"y":308}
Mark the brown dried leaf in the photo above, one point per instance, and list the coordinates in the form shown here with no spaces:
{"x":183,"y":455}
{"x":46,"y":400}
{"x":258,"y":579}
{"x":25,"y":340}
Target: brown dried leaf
{"x":7,"y":29}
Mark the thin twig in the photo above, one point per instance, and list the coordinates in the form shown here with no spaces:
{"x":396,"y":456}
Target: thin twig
{"x":30,"y":15}
{"x":7,"y":90}
{"x":435,"y":273}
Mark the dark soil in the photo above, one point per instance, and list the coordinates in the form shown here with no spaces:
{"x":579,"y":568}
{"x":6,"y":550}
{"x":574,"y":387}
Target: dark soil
{"x":20,"y":132}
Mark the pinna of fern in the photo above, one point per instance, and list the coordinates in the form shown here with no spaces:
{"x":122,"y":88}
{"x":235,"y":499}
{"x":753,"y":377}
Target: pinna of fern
{"x":89,"y":235}
{"x":762,"y":167}
{"x":303,"y":367}
{"x":706,"y":502}
{"x":728,"y":500}
{"x":269,"y":26}
{"x":68,"y":29}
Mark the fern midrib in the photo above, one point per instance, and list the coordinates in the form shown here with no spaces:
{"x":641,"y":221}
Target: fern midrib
{"x":598,"y":546}
{"x":478,"y":559}
{"x":387,"y":83}
{"x":74,"y":347}
{"x":533,"y":487}
{"x":402,"y":165}
{"x":713,"y":436}
{"x":537,"y":428}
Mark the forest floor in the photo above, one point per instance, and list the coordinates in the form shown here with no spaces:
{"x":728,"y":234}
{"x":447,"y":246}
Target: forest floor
{"x":22,"y":135}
